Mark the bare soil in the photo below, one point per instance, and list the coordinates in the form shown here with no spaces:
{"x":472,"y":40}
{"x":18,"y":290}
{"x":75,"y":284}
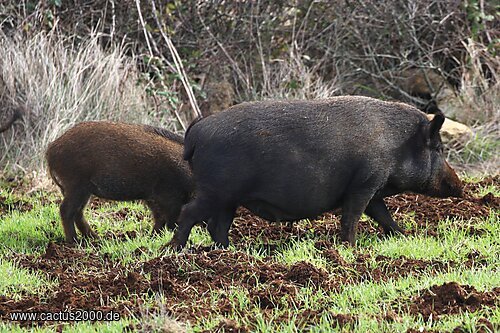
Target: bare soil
{"x":452,"y":298}
{"x":86,"y":280}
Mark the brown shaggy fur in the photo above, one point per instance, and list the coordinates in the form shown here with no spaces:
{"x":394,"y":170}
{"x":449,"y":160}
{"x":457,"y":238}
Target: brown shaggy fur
{"x":119,"y":162}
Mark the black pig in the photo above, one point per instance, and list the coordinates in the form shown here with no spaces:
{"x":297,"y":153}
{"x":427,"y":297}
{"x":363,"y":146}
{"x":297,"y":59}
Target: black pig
{"x":289,"y":160}
{"x":120,"y":162}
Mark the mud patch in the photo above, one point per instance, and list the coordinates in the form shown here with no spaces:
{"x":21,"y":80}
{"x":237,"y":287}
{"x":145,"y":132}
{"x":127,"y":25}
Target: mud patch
{"x":452,"y":298}
{"x":428,"y":211}
{"x":431,"y":210}
{"x":186,"y":281}
{"x":248,"y":229}
{"x":85,"y":281}
{"x":305,"y":273}
{"x":330,"y":253}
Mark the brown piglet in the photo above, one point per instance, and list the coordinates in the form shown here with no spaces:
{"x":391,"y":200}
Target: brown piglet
{"x":123,"y":162}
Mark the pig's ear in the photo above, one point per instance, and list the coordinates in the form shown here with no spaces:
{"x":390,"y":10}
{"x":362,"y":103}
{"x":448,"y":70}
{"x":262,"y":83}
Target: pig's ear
{"x":435,"y":125}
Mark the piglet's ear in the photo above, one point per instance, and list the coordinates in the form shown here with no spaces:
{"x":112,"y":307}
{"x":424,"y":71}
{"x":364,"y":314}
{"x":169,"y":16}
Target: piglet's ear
{"x":435,"y":125}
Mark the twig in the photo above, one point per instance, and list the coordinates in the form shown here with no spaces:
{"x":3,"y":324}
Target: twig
{"x":138,"y":4}
{"x":113,"y":24}
{"x":176,"y":113}
{"x":265,"y":74}
{"x":235,"y":66}
{"x":178,"y":64}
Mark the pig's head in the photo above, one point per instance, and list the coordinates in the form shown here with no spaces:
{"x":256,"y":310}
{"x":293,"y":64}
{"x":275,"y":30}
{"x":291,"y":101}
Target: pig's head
{"x":442,"y":181}
{"x":422,"y":165}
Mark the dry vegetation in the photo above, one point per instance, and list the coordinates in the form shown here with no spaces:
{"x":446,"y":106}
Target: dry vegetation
{"x":158,"y":62}
{"x":62,"y":62}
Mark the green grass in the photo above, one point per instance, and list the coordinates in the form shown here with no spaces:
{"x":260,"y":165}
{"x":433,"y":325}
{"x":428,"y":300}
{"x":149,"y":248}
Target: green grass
{"x":15,"y":281}
{"x":369,"y":302}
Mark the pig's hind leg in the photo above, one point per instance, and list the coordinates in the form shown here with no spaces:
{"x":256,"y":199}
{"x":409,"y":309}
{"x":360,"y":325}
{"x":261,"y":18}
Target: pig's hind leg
{"x":196,"y":211}
{"x":166,"y":204}
{"x":219,"y":225}
{"x":82,"y":224}
{"x":160,"y":216}
{"x":377,"y":210}
{"x":71,"y":212}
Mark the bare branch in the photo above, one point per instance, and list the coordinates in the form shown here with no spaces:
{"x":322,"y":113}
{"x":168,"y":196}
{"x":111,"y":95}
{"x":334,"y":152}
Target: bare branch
{"x":178,"y":64}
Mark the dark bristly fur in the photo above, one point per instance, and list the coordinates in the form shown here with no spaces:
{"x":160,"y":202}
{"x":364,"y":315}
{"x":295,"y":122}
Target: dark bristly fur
{"x":287,"y":160}
{"x":165,"y":133}
{"x":119,"y":162}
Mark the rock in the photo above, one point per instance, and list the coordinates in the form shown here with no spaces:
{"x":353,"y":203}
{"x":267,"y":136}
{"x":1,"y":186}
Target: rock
{"x":453,"y":131}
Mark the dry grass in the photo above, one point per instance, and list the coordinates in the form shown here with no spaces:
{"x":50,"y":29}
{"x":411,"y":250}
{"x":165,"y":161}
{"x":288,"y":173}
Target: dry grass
{"x":59,"y":84}
{"x":291,"y":78}
{"x":479,"y":93}
{"x":477,"y":105}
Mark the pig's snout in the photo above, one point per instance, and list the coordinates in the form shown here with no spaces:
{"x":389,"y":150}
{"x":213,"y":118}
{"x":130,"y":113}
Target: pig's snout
{"x":451,"y":185}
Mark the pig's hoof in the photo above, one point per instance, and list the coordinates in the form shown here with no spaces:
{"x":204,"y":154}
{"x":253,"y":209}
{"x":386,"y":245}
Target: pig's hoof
{"x":348,"y":240}
{"x":171,"y":226}
{"x":71,"y":241}
{"x":175,"y":245}
{"x":91,"y":235}
{"x":394,"y":232}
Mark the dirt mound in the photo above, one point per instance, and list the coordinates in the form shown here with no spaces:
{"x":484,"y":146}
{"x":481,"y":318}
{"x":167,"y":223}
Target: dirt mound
{"x":428,"y":211}
{"x":431,"y":210}
{"x":305,"y":273}
{"x":250,"y":228}
{"x":330,"y":253}
{"x":86,"y":281}
{"x":490,"y":200}
{"x":452,"y":298}
{"x":205,"y":269}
